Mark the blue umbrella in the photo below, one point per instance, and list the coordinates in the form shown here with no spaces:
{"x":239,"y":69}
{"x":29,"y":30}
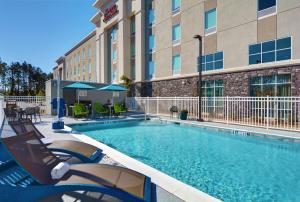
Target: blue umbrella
{"x":77,"y":86}
{"x":113,"y":87}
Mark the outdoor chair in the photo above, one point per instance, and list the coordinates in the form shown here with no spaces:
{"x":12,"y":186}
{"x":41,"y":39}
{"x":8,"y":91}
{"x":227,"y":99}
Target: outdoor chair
{"x":119,"y":108}
{"x":39,"y":162}
{"x":173,"y":109}
{"x":10,"y":114}
{"x":30,"y":113}
{"x":84,"y":152}
{"x":80,"y":110}
{"x":100,"y":110}
{"x":37,"y":113}
{"x":11,"y":104}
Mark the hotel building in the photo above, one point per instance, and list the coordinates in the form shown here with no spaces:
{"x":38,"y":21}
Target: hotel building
{"x":250,"y":47}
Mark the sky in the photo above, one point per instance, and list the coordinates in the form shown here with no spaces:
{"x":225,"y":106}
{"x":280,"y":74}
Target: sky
{"x":40,"y":31}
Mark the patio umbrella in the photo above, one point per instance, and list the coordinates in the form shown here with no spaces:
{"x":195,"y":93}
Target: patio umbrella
{"x":113,"y":88}
{"x":79,"y":86}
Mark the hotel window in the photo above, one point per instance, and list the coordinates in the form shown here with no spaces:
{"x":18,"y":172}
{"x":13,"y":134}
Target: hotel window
{"x":151,"y":17}
{"x":90,"y":67}
{"x":213,"y":61}
{"x":176,"y":33}
{"x":274,"y":85}
{"x":90,"y":52}
{"x":210,"y":21}
{"x":270,"y":51}
{"x":132,"y":25}
{"x":151,"y":43}
{"x":266,"y":8}
{"x":114,"y":75}
{"x":176,"y":64}
{"x":83,"y":54}
{"x":114,"y":55}
{"x":175,"y":6}
{"x":113,"y":34}
{"x":213,"y":88}
{"x":151,"y":69}
{"x":132,"y":70}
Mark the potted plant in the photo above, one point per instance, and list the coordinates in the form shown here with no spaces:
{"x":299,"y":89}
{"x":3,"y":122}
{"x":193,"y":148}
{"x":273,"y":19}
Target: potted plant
{"x":183,"y":114}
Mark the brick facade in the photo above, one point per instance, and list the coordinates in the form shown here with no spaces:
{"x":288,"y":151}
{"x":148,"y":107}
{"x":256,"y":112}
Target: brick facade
{"x":235,"y":83}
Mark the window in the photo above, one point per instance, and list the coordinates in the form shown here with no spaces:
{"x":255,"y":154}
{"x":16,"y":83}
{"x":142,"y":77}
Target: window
{"x":212,"y":61}
{"x":114,"y":75}
{"x":90,"y":67}
{"x":151,"y":69}
{"x":113,"y":34}
{"x":132,"y":25}
{"x":114,"y":55}
{"x":176,"y":33}
{"x":213,"y":88}
{"x":175,"y":6}
{"x":264,"y":4}
{"x":90,"y":52}
{"x":266,"y":8}
{"x":132,"y":48}
{"x":151,"y":43}
{"x":270,"y":51}
{"x":78,"y":57}
{"x":210,"y":21}
{"x":151,"y":17}
{"x":83,"y":53}
{"x":176,"y":64}
{"x":274,"y":85}
{"x":132,"y":70}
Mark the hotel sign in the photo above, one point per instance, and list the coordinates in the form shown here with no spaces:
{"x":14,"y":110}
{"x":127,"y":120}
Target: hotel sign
{"x":110,"y":12}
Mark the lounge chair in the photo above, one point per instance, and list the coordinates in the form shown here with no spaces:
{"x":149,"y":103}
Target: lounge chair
{"x":100,"y":110}
{"x":38,"y":161}
{"x":85,"y":152}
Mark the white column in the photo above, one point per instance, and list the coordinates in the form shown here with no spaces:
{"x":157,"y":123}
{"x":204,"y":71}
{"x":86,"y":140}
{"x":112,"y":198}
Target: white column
{"x":140,"y":45}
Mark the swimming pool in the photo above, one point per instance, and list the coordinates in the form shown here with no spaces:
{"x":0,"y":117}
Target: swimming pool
{"x":227,"y":166}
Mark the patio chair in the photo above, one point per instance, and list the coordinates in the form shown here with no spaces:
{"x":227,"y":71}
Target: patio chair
{"x":100,"y":110}
{"x":80,"y":110}
{"x":119,"y":108}
{"x":37,"y":113}
{"x":38,"y":161}
{"x":10,"y":114}
{"x":11,"y":104}
{"x":82,"y":151}
{"x":30,"y":113}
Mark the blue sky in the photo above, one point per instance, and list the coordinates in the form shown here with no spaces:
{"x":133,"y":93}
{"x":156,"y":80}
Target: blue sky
{"x":39,"y":31}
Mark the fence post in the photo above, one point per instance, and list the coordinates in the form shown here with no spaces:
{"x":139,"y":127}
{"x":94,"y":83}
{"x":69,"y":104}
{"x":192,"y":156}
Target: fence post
{"x":227,"y":110}
{"x":268,"y":112}
{"x":157,"y":105}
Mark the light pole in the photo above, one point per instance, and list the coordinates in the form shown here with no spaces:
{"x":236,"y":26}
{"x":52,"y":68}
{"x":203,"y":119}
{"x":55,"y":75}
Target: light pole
{"x":199,"y":64}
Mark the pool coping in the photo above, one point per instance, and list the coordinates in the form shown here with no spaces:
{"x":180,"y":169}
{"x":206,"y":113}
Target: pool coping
{"x":170,"y":184}
{"x":238,"y":131}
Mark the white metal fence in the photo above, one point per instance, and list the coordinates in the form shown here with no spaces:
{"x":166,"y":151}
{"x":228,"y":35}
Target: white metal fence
{"x":28,"y":101}
{"x":1,"y":109}
{"x":267,"y":112}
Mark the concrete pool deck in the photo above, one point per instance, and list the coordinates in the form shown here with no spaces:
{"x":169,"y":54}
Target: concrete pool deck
{"x":168,"y":189}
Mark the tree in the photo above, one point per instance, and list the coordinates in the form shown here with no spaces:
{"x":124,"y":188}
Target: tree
{"x":22,"y":79}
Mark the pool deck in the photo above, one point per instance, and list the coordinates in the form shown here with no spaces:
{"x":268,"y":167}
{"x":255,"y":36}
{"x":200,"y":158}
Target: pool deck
{"x":167,"y":188}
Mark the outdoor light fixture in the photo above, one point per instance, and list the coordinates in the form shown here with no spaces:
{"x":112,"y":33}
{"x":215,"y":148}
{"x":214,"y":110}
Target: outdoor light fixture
{"x":199,"y":62}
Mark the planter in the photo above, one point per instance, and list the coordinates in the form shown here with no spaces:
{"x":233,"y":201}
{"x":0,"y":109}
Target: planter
{"x":183,"y":115}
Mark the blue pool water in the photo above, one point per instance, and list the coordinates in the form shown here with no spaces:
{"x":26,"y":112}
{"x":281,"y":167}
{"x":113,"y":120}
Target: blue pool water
{"x":229,"y":167}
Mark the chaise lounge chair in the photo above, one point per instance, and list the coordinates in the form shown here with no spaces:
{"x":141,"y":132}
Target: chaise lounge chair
{"x":35,"y":181}
{"x":85,"y":152}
